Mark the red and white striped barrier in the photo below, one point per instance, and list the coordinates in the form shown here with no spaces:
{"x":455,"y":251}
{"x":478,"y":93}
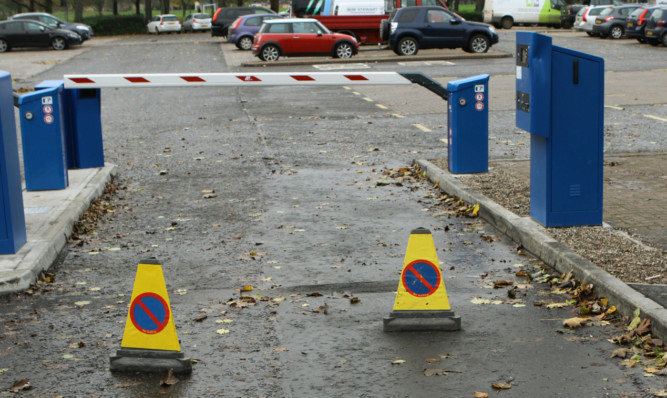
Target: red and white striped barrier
{"x":235,"y":79}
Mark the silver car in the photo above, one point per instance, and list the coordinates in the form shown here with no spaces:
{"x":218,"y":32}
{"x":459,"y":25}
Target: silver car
{"x":193,"y":22}
{"x":585,"y":19}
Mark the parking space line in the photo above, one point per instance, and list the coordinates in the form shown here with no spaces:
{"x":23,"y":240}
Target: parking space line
{"x":422,"y":128}
{"x":618,"y":108}
{"x":662,"y":119}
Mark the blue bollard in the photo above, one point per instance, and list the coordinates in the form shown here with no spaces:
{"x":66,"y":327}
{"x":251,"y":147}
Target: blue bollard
{"x":12,"y":218}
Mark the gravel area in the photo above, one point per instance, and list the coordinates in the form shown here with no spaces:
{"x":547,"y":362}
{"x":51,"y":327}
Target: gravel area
{"x":615,"y":251}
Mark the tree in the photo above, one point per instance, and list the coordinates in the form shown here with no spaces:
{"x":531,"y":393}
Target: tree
{"x":479,"y":5}
{"x":275,"y":5}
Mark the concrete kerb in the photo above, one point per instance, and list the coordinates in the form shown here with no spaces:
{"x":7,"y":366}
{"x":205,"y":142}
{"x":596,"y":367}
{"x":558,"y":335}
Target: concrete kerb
{"x":39,"y":252}
{"x":532,"y":237}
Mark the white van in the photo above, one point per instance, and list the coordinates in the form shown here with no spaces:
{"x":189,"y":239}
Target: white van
{"x":506,"y":13}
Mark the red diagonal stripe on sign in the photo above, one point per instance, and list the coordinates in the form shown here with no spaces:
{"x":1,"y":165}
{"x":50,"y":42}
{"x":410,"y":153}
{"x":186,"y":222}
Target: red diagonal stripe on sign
{"x":149,"y":313}
{"x":249,"y":78}
{"x":137,"y":80}
{"x":421,"y":278}
{"x":81,"y":80}
{"x":192,"y":79}
{"x":302,"y":78}
{"x":355,"y":77}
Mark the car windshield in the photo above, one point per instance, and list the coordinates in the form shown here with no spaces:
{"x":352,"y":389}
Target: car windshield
{"x":201,"y":16}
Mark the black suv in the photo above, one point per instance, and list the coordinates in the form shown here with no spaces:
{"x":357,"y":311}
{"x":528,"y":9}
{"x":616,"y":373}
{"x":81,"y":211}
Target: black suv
{"x":224,"y":17}
{"x":412,"y":28}
{"x":85,"y":31}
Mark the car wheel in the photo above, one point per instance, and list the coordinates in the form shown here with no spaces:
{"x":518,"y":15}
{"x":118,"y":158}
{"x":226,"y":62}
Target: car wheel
{"x":58,"y":43}
{"x":384,"y":30}
{"x":4,"y":46}
{"x":616,"y":32}
{"x":566,"y":24}
{"x":591,"y":34}
{"x":157,"y":31}
{"x":664,"y":39}
{"x":343,"y":50}
{"x":269,"y":53}
{"x":603,"y":36}
{"x":478,"y":44}
{"x":408,"y":46}
{"x":506,"y":22}
{"x":641,"y":40}
{"x":244,"y":43}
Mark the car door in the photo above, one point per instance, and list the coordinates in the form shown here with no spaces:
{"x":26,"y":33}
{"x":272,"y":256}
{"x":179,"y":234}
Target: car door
{"x":439,"y":31}
{"x":36,"y":34}
{"x":308,"y":39}
{"x":14,"y":31}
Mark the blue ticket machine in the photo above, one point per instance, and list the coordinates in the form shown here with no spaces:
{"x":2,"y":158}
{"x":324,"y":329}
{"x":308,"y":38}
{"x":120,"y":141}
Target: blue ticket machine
{"x":560,"y":101}
{"x":468,"y":125}
{"x":12,"y":218}
{"x":43,"y":139}
{"x":83,"y":125}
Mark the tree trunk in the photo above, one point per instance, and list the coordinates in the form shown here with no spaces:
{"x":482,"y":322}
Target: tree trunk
{"x":479,"y":5}
{"x":115,"y":7}
{"x":275,"y":5}
{"x":78,"y":10}
{"x":137,"y":6}
{"x":48,"y":6}
{"x":149,"y":10}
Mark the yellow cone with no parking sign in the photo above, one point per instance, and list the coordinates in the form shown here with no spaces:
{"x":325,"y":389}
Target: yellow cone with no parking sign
{"x":150,"y":342}
{"x":421,"y":298}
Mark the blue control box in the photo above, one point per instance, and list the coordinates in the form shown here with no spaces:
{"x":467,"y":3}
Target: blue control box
{"x":560,"y":101}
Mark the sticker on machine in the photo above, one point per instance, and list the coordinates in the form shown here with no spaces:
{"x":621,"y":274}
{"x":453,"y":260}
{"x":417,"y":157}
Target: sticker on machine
{"x":518,"y":73}
{"x":479,"y":88}
{"x":479,"y":106}
{"x":47,"y":100}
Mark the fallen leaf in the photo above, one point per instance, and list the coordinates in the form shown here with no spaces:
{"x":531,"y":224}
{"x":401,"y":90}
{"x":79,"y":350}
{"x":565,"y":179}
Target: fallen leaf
{"x":81,"y":304}
{"x":181,"y":292}
{"x":355,"y":300}
{"x":499,"y":284}
{"x":574,"y":322}
{"x":635,"y":321}
{"x":170,"y":380}
{"x":247,"y":288}
{"x":222,"y":331}
{"x":481,"y":394}
{"x":502,"y":385}
{"x":431,"y":360}
{"x":200,"y":318}
{"x":398,"y":361}
{"x":439,"y":372}
{"x":629,"y":363}
{"x":280,"y":349}
{"x":621,"y":352}
{"x":557,"y":305}
{"x":23,"y":384}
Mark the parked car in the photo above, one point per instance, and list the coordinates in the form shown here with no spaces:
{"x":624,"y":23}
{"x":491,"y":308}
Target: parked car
{"x":569,"y":12}
{"x":35,"y":34}
{"x":636,"y":23}
{"x":613,"y":20}
{"x":192,"y":22}
{"x":300,"y":37}
{"x":656,"y":27}
{"x":242,"y":31}
{"x":413,"y":28}
{"x":224,"y":17}
{"x":164,"y":24}
{"x":85,"y":31}
{"x":585,"y":19}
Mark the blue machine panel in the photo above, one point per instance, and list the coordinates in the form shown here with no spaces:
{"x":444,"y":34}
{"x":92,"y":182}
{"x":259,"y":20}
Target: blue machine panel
{"x":12,"y":218}
{"x":43,"y":139}
{"x":468,"y":125}
{"x":566,"y":152}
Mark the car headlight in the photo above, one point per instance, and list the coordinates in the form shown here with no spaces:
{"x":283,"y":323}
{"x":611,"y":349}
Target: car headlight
{"x":492,"y":29}
{"x":73,"y":36}
{"x":82,"y":27}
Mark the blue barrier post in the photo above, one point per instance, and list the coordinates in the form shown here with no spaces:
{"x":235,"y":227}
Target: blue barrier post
{"x":83,"y":125}
{"x":12,"y":218}
{"x":468,"y":125}
{"x":43,"y":139}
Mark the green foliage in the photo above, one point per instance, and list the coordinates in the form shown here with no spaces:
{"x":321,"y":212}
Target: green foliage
{"x":108,"y":25}
{"x":470,"y":15}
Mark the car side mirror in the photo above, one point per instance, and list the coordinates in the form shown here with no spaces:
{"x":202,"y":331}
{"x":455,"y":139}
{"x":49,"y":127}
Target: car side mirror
{"x":319,"y":33}
{"x":454,"y":21}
